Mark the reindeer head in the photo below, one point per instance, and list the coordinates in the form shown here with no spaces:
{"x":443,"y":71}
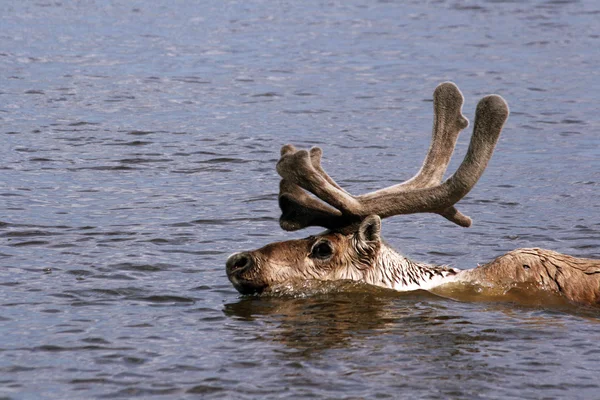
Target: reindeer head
{"x":351,"y":247}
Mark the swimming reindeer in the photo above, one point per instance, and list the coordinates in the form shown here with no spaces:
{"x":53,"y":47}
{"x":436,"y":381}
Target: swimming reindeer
{"x":352,"y":248}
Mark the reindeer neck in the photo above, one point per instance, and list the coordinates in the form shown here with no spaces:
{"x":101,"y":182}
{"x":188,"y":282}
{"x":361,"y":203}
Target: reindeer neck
{"x":394,"y":271}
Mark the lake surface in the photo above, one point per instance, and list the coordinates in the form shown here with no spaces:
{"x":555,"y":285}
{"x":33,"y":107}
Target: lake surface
{"x":139,"y":141}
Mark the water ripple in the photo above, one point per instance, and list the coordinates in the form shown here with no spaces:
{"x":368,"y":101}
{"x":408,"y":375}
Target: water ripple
{"x":139,"y":150}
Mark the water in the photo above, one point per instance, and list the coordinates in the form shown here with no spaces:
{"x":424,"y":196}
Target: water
{"x":139,"y":143}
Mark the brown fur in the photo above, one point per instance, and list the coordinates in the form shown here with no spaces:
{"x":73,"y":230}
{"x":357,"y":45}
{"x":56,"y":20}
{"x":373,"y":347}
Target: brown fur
{"x":577,"y":279}
{"x":291,"y":261}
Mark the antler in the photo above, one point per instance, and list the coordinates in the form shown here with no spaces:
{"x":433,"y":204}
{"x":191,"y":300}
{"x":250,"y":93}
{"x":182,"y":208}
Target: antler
{"x":301,"y":170}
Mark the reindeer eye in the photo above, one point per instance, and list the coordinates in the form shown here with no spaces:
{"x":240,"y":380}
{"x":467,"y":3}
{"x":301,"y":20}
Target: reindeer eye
{"x":321,"y":250}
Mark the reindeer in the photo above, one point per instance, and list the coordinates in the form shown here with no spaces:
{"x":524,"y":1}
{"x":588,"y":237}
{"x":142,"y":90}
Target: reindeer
{"x":352,"y":248}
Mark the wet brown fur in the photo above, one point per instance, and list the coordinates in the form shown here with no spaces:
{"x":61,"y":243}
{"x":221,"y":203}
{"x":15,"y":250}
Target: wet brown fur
{"x":291,"y":260}
{"x":577,"y":279}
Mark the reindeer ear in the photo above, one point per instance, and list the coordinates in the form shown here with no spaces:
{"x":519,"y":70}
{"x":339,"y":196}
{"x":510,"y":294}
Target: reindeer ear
{"x":370,"y":229}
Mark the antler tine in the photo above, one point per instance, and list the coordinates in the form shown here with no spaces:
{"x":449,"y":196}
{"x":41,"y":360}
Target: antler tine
{"x":315,"y":158}
{"x":492,"y":111}
{"x":299,"y":210}
{"x":448,"y":122}
{"x":297,"y":168}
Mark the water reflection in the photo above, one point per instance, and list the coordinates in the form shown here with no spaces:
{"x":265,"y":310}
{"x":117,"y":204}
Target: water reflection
{"x":329,"y":316}
{"x":350,"y":315}
{"x":314,"y":323}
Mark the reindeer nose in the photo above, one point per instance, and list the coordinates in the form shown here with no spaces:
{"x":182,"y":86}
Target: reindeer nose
{"x":238,"y":262}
